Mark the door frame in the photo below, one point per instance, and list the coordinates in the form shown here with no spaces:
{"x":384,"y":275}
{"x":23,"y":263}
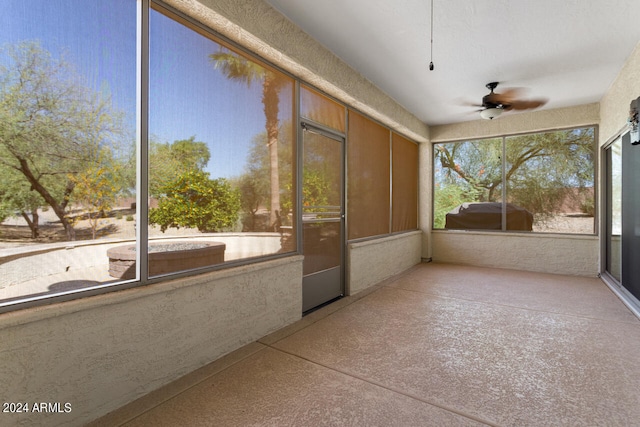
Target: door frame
{"x":307,"y":125}
{"x":630,"y":300}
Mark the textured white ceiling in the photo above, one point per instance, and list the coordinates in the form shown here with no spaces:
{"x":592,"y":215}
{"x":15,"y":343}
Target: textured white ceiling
{"x":568,"y":51}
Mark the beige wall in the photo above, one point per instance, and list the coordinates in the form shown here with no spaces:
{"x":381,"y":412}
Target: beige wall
{"x":372,"y":261}
{"x":614,"y":106}
{"x":425,"y":196}
{"x":566,"y":254}
{"x":581,"y":115}
{"x":546,"y":253}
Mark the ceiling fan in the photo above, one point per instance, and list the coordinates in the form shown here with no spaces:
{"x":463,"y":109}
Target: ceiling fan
{"x":494,"y":104}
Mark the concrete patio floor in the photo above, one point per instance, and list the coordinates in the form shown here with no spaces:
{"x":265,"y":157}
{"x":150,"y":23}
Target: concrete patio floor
{"x":440,"y":345}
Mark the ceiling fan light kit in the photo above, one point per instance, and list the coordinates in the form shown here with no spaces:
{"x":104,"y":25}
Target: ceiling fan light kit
{"x":491,"y":113}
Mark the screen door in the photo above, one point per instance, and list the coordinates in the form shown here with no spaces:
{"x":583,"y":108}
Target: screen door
{"x":322,"y":216}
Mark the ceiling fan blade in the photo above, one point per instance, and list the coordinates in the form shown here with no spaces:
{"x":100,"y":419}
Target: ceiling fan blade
{"x":506,"y":96}
{"x":469,"y":104}
{"x":528,"y":104}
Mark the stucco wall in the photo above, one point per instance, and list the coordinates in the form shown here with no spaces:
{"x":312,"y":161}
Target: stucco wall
{"x":100,"y":353}
{"x":574,"y":255}
{"x":425,"y":196}
{"x":614,"y":106}
{"x":551,"y":253}
{"x":581,"y":115}
{"x":372,"y":261}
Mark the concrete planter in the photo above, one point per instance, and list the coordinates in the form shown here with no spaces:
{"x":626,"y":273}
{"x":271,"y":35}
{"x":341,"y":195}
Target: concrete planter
{"x":165,"y":258}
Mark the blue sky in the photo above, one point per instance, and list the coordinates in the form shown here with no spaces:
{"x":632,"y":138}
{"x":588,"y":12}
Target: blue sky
{"x":186,"y":96}
{"x":97,"y":37}
{"x":186,"y":92}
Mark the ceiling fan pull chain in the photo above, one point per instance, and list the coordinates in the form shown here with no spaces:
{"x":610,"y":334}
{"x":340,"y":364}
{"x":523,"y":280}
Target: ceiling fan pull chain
{"x":431,"y":63}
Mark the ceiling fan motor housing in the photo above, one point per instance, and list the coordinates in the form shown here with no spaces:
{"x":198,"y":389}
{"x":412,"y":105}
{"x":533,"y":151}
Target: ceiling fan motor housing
{"x":492,"y":100}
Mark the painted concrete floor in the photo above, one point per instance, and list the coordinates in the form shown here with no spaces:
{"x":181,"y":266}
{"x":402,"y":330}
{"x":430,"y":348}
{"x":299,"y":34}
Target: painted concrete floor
{"x":440,"y":345}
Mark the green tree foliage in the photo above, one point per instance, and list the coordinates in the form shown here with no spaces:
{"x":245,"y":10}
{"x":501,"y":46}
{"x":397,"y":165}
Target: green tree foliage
{"x":52,"y":126}
{"x":546,"y":170}
{"x":193,"y":200}
{"x":96,"y":188}
{"x":167,"y":161}
{"x":16,"y":197}
{"x":321,"y":178}
{"x":446,"y":198}
{"x":253,"y":188}
{"x":316,"y":188}
{"x":474,"y":166}
{"x":254,"y":183}
{"x":240,"y":69}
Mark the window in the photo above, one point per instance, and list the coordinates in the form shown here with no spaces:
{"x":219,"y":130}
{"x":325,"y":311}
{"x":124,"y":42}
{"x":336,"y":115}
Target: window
{"x":221,"y":150}
{"x":549,"y":179}
{"x":67,"y":152}
{"x":221,"y":157}
{"x":321,"y":109}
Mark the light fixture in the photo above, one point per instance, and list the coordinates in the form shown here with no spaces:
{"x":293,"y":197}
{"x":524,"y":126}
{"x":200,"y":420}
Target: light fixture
{"x":634,"y":122}
{"x":491,"y":113}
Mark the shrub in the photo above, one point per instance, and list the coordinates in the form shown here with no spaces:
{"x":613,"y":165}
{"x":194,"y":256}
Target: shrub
{"x":193,"y":200}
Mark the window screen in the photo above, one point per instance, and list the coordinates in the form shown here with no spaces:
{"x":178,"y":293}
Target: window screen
{"x":368,"y":173}
{"x":405,"y":184}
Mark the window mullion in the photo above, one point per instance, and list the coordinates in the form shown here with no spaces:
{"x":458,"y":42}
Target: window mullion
{"x":142,"y":138}
{"x":504,"y":183}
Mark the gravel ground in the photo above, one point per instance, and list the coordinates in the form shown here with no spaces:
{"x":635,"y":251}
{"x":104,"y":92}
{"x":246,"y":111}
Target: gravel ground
{"x":15,"y":232}
{"x":568,"y":223}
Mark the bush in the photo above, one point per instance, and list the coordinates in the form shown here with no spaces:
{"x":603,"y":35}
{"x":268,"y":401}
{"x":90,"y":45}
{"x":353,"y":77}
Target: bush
{"x":588,"y":206}
{"x":446,"y":198}
{"x":193,"y":200}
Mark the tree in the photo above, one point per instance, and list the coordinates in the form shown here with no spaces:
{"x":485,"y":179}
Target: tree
{"x":445,"y":199}
{"x":16,"y":197}
{"x":194,"y":200}
{"x":167,"y":161}
{"x":255,"y":181}
{"x":474,"y":166}
{"x":95,"y":189}
{"x":252,"y":188}
{"x":236,"y":67}
{"x":52,"y":126}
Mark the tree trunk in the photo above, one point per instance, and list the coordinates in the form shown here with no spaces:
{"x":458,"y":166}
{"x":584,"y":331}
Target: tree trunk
{"x":33,"y":223}
{"x":270,"y":101}
{"x":275,"y":182}
{"x":93,"y":222}
{"x":58,"y":208}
